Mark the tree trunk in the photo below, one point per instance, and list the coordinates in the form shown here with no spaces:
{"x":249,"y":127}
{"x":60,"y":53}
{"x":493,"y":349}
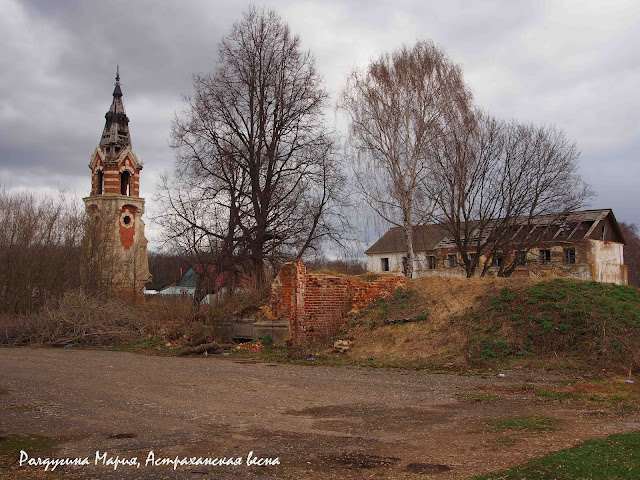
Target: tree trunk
{"x":408,"y":233}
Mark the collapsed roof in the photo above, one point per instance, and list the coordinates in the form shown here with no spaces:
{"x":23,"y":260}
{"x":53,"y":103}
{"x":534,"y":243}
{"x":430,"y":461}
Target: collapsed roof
{"x":565,"y":227}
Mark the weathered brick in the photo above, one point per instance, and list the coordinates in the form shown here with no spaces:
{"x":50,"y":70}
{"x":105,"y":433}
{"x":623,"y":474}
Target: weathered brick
{"x":316,"y":304}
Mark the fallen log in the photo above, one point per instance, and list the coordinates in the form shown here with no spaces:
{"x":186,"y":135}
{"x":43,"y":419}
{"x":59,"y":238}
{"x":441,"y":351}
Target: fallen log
{"x":213,"y":347}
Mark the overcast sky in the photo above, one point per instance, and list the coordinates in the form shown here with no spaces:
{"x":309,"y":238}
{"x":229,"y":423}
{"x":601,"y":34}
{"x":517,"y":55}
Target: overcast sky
{"x":575,"y":64}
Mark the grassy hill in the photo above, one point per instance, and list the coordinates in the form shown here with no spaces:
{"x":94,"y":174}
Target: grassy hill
{"x":495,"y":322}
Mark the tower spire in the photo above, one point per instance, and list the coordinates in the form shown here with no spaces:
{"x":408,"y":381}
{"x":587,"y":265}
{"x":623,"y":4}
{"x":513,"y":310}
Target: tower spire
{"x":115,"y":135}
{"x":115,"y":248}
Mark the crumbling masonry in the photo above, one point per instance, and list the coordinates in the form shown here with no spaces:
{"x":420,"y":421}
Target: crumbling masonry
{"x":316,"y":305}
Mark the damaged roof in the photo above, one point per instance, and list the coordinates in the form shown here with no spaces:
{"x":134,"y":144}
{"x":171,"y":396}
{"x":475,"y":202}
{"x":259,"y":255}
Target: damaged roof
{"x":425,"y":237}
{"x":562,"y":227}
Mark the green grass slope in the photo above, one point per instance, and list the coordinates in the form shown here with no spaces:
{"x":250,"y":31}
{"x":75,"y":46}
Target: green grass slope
{"x":487,"y":322}
{"x":615,"y":457}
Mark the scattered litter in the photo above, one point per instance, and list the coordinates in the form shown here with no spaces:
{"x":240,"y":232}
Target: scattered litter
{"x":501,"y":375}
{"x":370,"y":359}
{"x":629,"y":381}
{"x":311,"y":359}
{"x":254,"y":347}
{"x":69,"y":345}
{"x":341,"y":346}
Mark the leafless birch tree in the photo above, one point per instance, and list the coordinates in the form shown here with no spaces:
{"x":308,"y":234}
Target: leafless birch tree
{"x":403,"y":103}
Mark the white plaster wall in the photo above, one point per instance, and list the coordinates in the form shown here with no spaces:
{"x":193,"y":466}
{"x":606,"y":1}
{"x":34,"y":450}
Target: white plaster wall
{"x":420,"y":266}
{"x":374,"y":263}
{"x":609,"y":262}
{"x":421,"y":269}
{"x":599,"y":261}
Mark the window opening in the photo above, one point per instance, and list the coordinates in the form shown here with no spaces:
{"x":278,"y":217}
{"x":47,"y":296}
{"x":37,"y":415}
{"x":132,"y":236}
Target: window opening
{"x":569,"y":255}
{"x":545,"y":256}
{"x":124,"y":183}
{"x":385,"y":264}
{"x":100,"y":183}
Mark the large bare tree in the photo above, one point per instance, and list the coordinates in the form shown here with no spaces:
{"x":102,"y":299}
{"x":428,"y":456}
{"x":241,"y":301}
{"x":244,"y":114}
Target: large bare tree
{"x":398,"y":107}
{"x":464,"y":185}
{"x":256,"y":179}
{"x":539,"y":184}
{"x":491,"y":183}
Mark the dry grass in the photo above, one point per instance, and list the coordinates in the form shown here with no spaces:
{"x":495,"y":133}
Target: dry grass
{"x":436,"y":339}
{"x":362,"y":277}
{"x":83,"y":320}
{"x":154,"y":323}
{"x":484,"y":322}
{"x":75,"y":319}
{"x":163,"y":311}
{"x":612,"y":392}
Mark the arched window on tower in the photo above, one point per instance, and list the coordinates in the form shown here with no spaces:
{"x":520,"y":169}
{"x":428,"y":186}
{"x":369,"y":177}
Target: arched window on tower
{"x":100,"y":186}
{"x":124,"y":182}
{"x":99,"y":183}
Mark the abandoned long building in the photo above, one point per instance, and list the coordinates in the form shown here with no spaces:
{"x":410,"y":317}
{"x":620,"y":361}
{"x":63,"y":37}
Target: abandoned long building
{"x":586,"y":245}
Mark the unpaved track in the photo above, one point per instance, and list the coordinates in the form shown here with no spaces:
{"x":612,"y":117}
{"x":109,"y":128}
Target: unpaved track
{"x":321,"y":422}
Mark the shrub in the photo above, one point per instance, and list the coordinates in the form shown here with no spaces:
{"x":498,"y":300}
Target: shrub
{"x":76,"y":319}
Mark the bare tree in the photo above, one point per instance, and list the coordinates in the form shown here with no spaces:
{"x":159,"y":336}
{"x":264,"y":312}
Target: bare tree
{"x":99,"y":264}
{"x":200,"y":227}
{"x":540,"y":184}
{"x":398,"y":107}
{"x":39,"y":249}
{"x":500,"y":188}
{"x":256,"y":179}
{"x":166,"y":267}
{"x":464,"y":185}
{"x":632,"y":252}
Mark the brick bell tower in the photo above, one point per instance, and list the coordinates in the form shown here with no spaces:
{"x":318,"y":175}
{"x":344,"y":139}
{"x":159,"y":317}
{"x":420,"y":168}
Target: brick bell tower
{"x":114,"y":247}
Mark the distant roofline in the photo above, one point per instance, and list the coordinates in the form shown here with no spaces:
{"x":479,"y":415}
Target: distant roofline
{"x":606,"y":211}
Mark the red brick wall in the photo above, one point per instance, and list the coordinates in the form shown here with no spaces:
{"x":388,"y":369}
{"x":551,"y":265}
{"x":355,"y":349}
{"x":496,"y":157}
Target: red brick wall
{"x":316,"y":305}
{"x":112,"y":178}
{"x":127,"y":231}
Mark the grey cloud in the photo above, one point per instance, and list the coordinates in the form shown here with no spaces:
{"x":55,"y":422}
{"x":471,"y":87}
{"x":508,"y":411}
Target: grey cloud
{"x":535,"y":61}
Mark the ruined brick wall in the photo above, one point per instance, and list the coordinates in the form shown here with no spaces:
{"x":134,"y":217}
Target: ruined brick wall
{"x":316,"y":305}
{"x":327,"y":300}
{"x":367,"y":292}
{"x":287,"y":290}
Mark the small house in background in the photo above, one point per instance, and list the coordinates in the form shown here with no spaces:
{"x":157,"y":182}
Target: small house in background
{"x":185,"y":287}
{"x":188,"y":283}
{"x":586,"y":245}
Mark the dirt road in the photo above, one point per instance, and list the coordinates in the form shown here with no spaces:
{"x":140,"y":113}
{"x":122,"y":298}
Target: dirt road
{"x":319,"y":422}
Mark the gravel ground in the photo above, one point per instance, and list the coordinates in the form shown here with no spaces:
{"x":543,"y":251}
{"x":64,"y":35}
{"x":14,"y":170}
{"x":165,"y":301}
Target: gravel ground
{"x":319,"y":422}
